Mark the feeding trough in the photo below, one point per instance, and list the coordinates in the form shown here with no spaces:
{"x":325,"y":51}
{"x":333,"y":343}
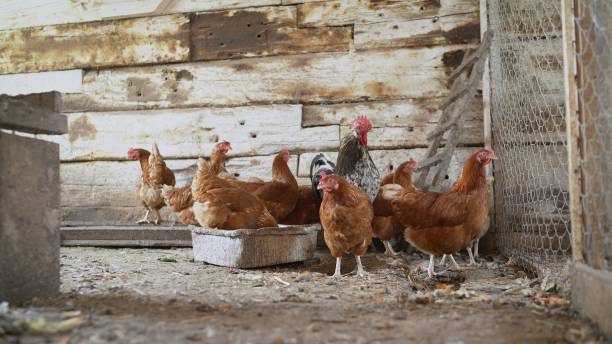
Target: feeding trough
{"x":252,"y":248}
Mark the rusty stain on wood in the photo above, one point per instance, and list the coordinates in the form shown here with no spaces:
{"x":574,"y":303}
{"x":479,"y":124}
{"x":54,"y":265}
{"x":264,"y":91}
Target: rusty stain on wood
{"x":97,"y":44}
{"x":339,"y":12}
{"x":81,"y":128}
{"x":452,"y":59}
{"x":259,"y":32}
{"x":454,"y":29}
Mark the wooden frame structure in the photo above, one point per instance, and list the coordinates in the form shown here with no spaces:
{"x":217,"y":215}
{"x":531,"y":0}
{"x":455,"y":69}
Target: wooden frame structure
{"x":591,"y":284}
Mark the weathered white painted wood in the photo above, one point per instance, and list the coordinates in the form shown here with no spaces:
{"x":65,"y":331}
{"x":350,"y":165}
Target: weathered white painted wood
{"x":345,"y":12}
{"x":67,"y":81}
{"x":387,"y":160}
{"x":396,"y":113}
{"x":293,"y":2}
{"x":97,"y":44}
{"x":28,"y":13}
{"x":127,"y":173}
{"x":416,"y":136}
{"x":397,"y":124}
{"x":382,"y":114}
{"x":371,"y":75}
{"x":180,"y":133}
{"x":451,"y":29}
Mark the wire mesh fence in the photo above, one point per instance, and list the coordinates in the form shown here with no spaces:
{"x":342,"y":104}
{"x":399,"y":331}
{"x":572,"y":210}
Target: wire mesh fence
{"x":593,"y":25}
{"x":528,"y":125}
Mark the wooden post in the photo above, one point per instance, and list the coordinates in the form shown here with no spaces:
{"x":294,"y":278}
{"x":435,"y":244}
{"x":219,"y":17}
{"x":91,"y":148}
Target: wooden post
{"x":486,"y":109}
{"x":573,"y":135}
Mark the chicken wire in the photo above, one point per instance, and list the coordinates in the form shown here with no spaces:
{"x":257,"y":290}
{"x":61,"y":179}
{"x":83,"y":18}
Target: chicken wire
{"x":532,"y":217}
{"x":593,"y":25}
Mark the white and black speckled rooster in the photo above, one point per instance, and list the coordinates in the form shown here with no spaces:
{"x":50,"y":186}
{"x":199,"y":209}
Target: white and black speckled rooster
{"x":354,"y":161}
{"x":320,"y":163}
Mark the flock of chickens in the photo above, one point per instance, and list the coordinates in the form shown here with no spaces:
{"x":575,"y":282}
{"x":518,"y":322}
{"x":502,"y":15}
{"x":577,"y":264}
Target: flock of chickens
{"x":349,"y":198}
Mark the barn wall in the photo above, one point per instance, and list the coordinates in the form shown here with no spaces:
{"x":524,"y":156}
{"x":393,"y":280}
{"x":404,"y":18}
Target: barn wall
{"x":263,"y":74}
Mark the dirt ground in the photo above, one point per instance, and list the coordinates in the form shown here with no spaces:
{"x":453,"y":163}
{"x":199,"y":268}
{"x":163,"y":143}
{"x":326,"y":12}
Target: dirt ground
{"x":162,"y":296}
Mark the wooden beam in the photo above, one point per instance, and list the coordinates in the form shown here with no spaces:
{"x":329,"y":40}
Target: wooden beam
{"x":34,"y":114}
{"x":16,"y":14}
{"x":573,"y":134}
{"x":189,"y":133}
{"x":260,"y":32}
{"x":98,"y":44}
{"x":311,"y":78}
{"x":346,"y":12}
{"x":460,"y":28}
{"x":126,"y":236}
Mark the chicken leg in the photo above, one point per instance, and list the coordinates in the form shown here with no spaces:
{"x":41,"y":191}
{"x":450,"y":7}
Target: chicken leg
{"x":476,"y":248}
{"x":337,"y":272}
{"x":158,"y":220}
{"x":430,"y":268}
{"x":443,"y":260}
{"x":455,"y":265}
{"x":388,"y":249}
{"x":472,"y":261}
{"x":360,"y":270}
{"x":145,"y":219}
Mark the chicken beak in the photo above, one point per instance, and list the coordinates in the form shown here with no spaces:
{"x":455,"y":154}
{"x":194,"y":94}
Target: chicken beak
{"x":319,"y":187}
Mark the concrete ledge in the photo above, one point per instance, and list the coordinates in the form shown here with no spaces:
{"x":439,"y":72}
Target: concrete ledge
{"x":126,"y":236}
{"x":592,"y":295}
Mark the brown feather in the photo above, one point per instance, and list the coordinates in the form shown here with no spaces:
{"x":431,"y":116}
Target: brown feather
{"x":346,"y":216}
{"x":444,"y":223}
{"x":306,"y":209}
{"x":219,"y":204}
{"x":385,"y":225}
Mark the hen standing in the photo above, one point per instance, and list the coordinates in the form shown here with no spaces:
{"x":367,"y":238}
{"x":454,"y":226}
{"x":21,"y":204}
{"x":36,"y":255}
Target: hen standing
{"x":445,"y":223}
{"x":154,"y":175}
{"x":346,"y":216}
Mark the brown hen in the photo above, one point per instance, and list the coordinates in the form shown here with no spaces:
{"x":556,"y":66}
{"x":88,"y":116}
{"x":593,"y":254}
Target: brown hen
{"x":154,"y":175}
{"x":346,"y":216}
{"x":445,"y":223}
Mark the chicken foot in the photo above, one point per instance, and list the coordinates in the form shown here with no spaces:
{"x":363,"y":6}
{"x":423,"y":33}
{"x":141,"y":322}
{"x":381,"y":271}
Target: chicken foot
{"x":388,"y":249}
{"x":360,"y":270}
{"x":145,"y":219}
{"x":472,"y":261}
{"x":430,"y":269}
{"x":158,"y":220}
{"x":454,"y":262}
{"x":452,"y":259}
{"x":337,"y":272}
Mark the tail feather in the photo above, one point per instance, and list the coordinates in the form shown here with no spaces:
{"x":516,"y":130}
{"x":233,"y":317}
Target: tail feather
{"x":155,"y":151}
{"x":391,"y":191}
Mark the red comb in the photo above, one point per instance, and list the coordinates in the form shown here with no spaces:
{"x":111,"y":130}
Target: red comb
{"x":324,"y":176}
{"x":362,"y":122}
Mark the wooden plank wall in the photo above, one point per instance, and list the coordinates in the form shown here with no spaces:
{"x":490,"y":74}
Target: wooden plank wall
{"x":264,"y":74}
